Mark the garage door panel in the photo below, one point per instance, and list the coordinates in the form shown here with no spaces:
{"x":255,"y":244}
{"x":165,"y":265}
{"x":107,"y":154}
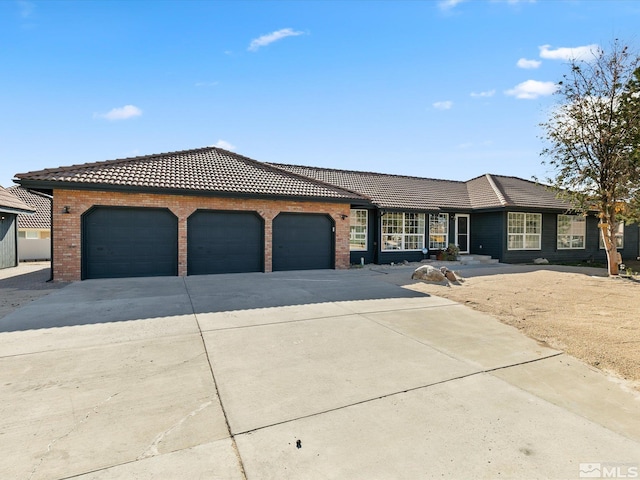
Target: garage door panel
{"x":129,"y":242}
{"x":303,"y":242}
{"x":225,"y":242}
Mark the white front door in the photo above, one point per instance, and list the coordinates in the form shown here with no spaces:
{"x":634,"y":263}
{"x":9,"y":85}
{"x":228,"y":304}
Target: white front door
{"x":462,"y":232}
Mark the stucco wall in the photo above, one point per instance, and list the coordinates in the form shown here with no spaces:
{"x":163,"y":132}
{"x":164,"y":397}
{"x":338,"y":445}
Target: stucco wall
{"x":67,"y":227}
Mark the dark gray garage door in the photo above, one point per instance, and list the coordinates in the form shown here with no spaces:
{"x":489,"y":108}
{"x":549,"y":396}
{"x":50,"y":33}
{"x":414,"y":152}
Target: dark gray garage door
{"x":129,"y":242}
{"x":224,"y":242}
{"x":303,"y":242}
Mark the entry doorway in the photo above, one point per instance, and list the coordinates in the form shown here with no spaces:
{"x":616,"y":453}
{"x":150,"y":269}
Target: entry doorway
{"x":462,"y":232}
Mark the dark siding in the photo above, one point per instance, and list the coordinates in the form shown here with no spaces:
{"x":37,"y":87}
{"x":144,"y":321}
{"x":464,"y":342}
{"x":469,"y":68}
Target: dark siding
{"x":224,"y":242}
{"x":303,"y":242}
{"x":488,"y":234}
{"x":120,"y":242}
{"x":8,"y":241}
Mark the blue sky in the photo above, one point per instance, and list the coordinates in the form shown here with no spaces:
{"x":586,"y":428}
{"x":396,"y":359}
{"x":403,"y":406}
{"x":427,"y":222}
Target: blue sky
{"x":443,"y":89}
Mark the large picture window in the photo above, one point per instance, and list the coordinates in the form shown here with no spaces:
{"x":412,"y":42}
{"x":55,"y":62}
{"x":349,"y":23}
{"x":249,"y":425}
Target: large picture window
{"x":438,"y":231}
{"x":571,"y":232}
{"x":524,"y":231}
{"x":358,"y":230}
{"x":402,"y":231}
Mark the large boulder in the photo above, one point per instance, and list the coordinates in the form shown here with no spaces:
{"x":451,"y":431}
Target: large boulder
{"x":428,"y":273}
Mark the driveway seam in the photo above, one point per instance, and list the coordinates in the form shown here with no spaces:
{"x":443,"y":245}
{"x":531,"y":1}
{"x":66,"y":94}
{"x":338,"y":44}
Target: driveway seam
{"x":215,"y":384}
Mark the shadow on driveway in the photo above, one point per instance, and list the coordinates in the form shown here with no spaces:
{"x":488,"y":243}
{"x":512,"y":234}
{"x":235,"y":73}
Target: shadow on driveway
{"x":118,"y":300}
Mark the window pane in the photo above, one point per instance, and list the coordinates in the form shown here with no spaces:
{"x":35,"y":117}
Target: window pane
{"x":358,"y":230}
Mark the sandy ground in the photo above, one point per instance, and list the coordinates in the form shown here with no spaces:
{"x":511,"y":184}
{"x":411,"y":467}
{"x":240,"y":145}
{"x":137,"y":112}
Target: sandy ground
{"x":593,"y":318}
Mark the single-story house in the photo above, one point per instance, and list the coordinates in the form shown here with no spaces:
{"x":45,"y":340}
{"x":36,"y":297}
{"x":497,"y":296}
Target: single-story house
{"x":10,"y":208}
{"x":208,"y":210}
{"x":34,"y":231}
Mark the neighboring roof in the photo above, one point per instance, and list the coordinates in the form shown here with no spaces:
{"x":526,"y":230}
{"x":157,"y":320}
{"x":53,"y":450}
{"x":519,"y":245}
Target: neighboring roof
{"x":415,"y":193}
{"x":392,"y":191}
{"x":42,"y":203}
{"x":203,"y":170}
{"x":12,"y":204}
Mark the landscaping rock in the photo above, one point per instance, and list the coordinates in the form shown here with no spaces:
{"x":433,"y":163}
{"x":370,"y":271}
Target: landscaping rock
{"x":540,"y":261}
{"x":428,"y":273}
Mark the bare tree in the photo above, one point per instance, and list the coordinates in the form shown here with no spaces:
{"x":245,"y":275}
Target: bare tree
{"x":593,"y":139}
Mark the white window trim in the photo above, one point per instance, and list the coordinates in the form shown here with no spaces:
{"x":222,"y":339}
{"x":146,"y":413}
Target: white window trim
{"x":403,"y":235}
{"x":439,"y":245}
{"x":574,"y":218}
{"x":35,"y":235}
{"x":366,"y":230}
{"x":525,"y":233}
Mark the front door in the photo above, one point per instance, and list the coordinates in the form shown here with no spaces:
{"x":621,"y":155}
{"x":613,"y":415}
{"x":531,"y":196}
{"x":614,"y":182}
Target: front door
{"x":462,"y":232}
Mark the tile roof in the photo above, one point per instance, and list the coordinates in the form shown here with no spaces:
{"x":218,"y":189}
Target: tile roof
{"x":203,"y":170}
{"x":392,"y":191}
{"x":414,"y":193}
{"x":493,"y":191}
{"x":11,"y":204}
{"x":41,"y":202}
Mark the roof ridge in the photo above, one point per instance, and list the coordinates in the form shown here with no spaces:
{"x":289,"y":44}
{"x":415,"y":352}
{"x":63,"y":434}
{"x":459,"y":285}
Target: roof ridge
{"x":496,"y":190}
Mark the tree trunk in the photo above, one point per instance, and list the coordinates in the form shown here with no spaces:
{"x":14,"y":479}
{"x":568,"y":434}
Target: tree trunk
{"x":609,"y":239}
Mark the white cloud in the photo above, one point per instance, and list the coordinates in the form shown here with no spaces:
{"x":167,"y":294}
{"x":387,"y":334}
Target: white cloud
{"x":120,"y":113}
{"x":488,"y":93}
{"x":225,"y":145}
{"x":532,"y":89}
{"x":26,"y":8}
{"x":525,"y":63}
{"x":446,"y":105}
{"x":206,"y":84}
{"x":586,"y":52}
{"x":449,"y":4}
{"x":269,"y":38}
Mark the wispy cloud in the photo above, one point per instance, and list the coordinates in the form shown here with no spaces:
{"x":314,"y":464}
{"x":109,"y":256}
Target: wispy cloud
{"x":120,"y":113}
{"x":487,"y":94}
{"x":528,"y":64}
{"x":532,"y":89}
{"x":206,"y":84}
{"x":26,"y":8}
{"x":585,"y":52}
{"x":269,"y":38}
{"x":445,"y":105}
{"x":225,"y":145}
{"x":449,"y":4}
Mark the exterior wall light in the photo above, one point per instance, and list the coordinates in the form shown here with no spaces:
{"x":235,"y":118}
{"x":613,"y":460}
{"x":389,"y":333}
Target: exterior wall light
{"x":66,"y":209}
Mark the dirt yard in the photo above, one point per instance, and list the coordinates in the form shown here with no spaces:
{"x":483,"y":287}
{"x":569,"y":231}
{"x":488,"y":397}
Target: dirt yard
{"x":593,"y":318}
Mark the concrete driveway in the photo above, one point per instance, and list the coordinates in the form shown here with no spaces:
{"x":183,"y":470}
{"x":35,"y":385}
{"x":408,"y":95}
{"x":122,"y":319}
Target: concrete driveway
{"x":300,"y":375}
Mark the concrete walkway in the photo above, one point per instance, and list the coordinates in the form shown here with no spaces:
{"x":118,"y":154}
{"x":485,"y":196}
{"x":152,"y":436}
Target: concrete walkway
{"x":291,"y":375}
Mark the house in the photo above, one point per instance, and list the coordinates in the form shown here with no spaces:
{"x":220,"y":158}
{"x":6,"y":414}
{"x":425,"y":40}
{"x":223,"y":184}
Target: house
{"x":508,"y":218}
{"x":10,"y":208}
{"x":34,"y":230}
{"x":208,"y":210}
{"x":191,"y":212}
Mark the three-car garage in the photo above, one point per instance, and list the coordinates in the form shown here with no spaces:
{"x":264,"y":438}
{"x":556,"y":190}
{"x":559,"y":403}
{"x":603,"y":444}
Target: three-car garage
{"x":141,"y":242}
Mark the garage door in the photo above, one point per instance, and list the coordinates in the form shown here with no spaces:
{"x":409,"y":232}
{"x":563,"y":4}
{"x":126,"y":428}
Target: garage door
{"x":129,"y":242}
{"x":224,"y":242}
{"x":303,"y":242}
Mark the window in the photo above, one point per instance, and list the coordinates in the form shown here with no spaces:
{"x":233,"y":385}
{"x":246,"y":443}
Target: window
{"x":358,"y":230}
{"x":619,"y":236}
{"x":403,"y":231}
{"x":31,"y":234}
{"x":524,"y":231}
{"x":571,"y":232}
{"x":438,"y":231}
